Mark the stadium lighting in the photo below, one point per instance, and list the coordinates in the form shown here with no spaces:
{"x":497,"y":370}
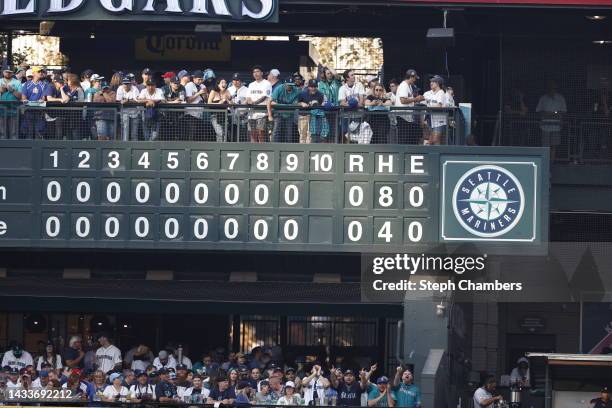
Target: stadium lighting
{"x":602,"y":42}
{"x":596,"y":18}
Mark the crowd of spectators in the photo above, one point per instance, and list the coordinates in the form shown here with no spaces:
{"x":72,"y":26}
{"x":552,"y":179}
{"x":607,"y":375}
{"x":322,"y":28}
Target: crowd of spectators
{"x":274,"y":109}
{"x":104,"y":373}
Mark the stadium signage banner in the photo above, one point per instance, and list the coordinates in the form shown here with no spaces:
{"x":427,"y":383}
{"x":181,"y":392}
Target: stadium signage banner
{"x":143,"y":10}
{"x":182,"y":47}
{"x":278,"y":197}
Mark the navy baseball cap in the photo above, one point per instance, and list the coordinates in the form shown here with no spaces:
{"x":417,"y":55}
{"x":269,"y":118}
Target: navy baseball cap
{"x":312,"y":83}
{"x":382,"y":380}
{"x":236,"y":76}
{"x":412,"y":73}
{"x":197,"y":74}
{"x":147,"y":71}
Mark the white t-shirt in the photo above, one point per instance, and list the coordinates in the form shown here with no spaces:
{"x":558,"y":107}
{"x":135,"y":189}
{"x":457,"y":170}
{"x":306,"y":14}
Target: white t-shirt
{"x":186,"y":362}
{"x":183,"y":392}
{"x":516,"y":376}
{"x":435,"y":99}
{"x":58,"y":362}
{"x":190,"y":90}
{"x":404,"y":90}
{"x":346,"y":92}
{"x":111,"y":392}
{"x":171,"y":363}
{"x":10,"y":360}
{"x":107,"y":358}
{"x":481,"y":395}
{"x":158,"y":95}
{"x":137,"y":364}
{"x":85,"y":85}
{"x":551,"y":104}
{"x":256,"y":91}
{"x":238,"y":95}
{"x":131,"y":95}
{"x":309,"y":391}
{"x":11,"y":385}
{"x":137,"y":391}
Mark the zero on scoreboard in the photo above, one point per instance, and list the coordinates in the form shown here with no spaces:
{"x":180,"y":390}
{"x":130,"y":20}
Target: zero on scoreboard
{"x":220,"y":196}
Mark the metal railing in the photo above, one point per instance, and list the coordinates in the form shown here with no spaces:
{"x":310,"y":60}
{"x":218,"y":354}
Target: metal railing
{"x":235,"y":123}
{"x":572,"y":138}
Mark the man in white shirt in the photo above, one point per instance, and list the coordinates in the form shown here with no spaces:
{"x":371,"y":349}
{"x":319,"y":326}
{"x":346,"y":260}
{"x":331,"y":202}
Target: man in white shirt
{"x":108,"y":356}
{"x":196,"y":393}
{"x":551,"y":107}
{"x":151,"y":96}
{"x":139,"y":358}
{"x":260,"y":91}
{"x":436,"y":98}
{"x":408,"y":125}
{"x":164,"y":360}
{"x":483,"y":396}
{"x":351,"y":95}
{"x":314,"y":386}
{"x":13,"y":381}
{"x":239,"y":94}
{"x":127,"y":94}
{"x":17,"y":358}
{"x":521,"y":374}
{"x":142,"y":391}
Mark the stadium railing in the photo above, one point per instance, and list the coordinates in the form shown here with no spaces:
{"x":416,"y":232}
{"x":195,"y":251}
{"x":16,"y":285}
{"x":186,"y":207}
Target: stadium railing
{"x":235,"y":123}
{"x":577,"y":139}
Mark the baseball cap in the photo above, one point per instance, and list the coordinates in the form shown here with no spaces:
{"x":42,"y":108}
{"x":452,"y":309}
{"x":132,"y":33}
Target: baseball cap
{"x":209,"y":74}
{"x":163,"y":354}
{"x":438,"y":79}
{"x":412,"y":73}
{"x":7,"y":70}
{"x":114,"y":376}
{"x":182,"y":73}
{"x":87,"y":73}
{"x":290,"y":384}
{"x":264,"y":382}
{"x":105,"y":85}
{"x":197,"y":74}
{"x":604,"y":390}
{"x":382,"y":380}
{"x":289,"y":81}
{"x":243,"y":369}
{"x":162,"y":371}
{"x":147,"y":71}
{"x":236,"y":76}
{"x":522,"y":360}
{"x":242,"y":385}
{"x":58,"y":78}
{"x":141,"y":374}
{"x":169,"y":75}
{"x":153,"y":374}
{"x":290,"y":370}
{"x":298,"y":75}
{"x":181,"y":367}
{"x":14,"y":371}
{"x":43,"y":373}
{"x":126,"y":80}
{"x":275,"y":72}
{"x":172,"y":375}
{"x":349,"y":372}
{"x":312,"y":83}
{"x":29,"y":73}
{"x":150,"y":82}
{"x":96,"y":77}
{"x":174,"y":80}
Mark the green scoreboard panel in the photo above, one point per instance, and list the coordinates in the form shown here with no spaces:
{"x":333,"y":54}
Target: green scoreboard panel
{"x":209,"y":196}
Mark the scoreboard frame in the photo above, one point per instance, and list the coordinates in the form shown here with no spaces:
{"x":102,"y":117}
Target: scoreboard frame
{"x":337,"y":189}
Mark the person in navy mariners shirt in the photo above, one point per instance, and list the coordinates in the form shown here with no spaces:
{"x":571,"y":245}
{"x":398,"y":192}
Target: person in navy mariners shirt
{"x":349,"y":390}
{"x":165,"y":390}
{"x":34,"y":91}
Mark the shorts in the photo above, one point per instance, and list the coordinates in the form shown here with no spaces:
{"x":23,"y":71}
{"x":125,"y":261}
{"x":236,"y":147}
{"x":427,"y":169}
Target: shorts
{"x":439,"y":129}
{"x":551,"y":138}
{"x":257,"y":124}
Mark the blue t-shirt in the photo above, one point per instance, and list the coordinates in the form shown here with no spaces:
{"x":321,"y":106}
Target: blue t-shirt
{"x":374,"y":392}
{"x":407,"y":396}
{"x":217,"y":395}
{"x":35,"y":91}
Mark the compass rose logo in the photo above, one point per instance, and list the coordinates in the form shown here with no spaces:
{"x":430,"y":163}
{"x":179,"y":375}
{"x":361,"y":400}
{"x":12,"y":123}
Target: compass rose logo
{"x":488,"y":201}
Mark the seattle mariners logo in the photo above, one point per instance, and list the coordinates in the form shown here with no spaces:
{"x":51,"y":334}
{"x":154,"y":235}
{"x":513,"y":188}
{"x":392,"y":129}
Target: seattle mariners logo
{"x":488,"y":201}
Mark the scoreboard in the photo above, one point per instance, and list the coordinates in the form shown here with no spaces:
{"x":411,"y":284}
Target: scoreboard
{"x":215,"y":196}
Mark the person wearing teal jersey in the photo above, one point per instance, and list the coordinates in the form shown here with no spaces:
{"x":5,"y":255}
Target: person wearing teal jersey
{"x":381,"y":394}
{"x":285,"y":129}
{"x":407,"y":395}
